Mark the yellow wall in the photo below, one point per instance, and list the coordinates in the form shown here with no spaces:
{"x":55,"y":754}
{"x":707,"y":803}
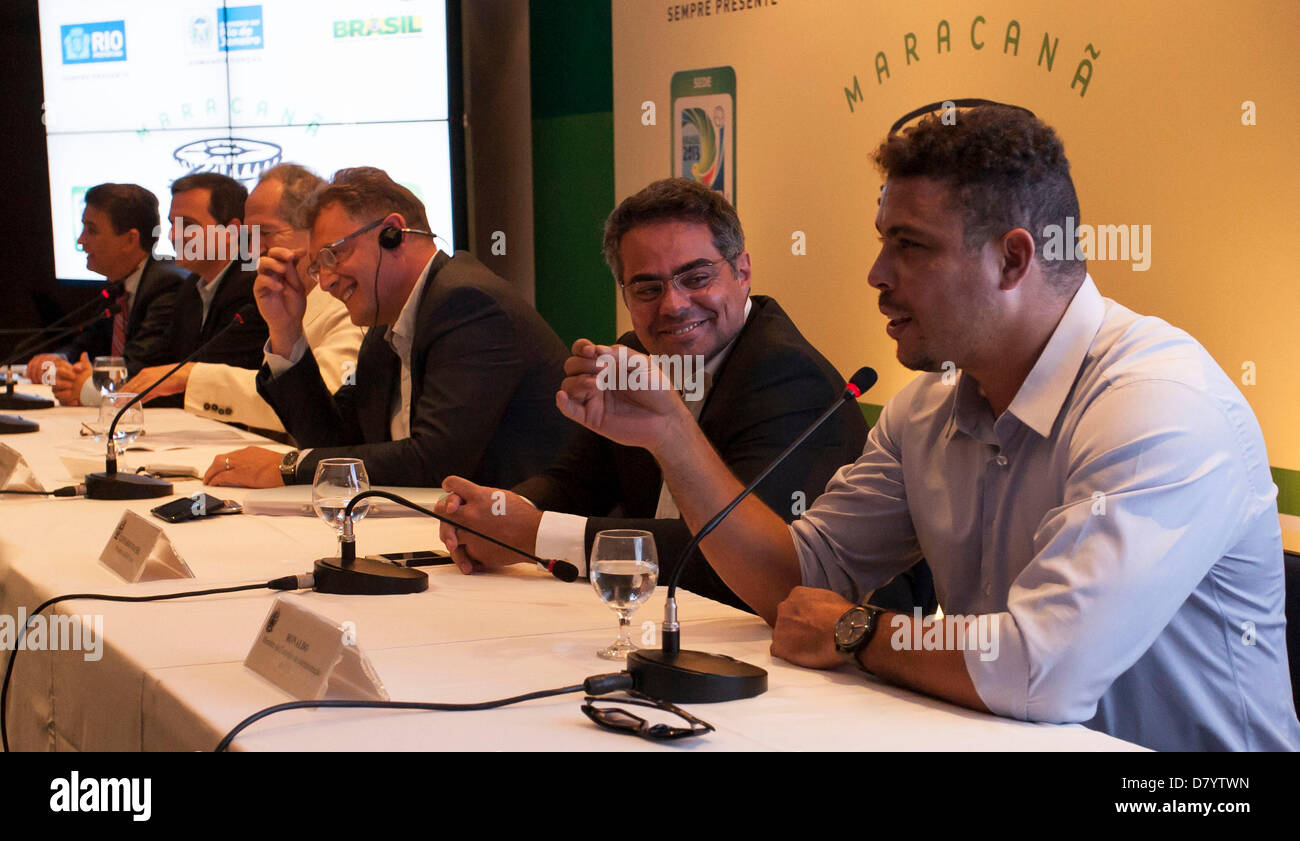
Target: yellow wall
{"x":1157,"y":139}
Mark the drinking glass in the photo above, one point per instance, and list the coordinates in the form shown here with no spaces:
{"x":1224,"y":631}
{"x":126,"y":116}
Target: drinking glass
{"x":624,"y":567}
{"x":128,"y":428}
{"x":108,"y":373}
{"x":337,"y":481}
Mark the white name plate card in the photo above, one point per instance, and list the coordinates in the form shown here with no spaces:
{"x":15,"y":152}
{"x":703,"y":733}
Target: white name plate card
{"x":15,"y":474}
{"x":312,"y":657}
{"x":140,"y":551}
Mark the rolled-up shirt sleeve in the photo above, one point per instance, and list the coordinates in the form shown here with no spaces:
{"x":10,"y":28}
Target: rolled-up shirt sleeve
{"x":858,"y":534}
{"x":1159,"y":487}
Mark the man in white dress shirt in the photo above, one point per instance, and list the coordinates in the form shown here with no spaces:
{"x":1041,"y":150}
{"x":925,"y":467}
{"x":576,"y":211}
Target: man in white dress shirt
{"x":276,"y":207}
{"x":1092,"y":492}
{"x":459,"y":376}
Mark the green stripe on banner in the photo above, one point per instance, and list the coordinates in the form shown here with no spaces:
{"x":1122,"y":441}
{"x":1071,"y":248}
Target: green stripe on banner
{"x":1287,"y":481}
{"x":1288,"y":490}
{"x":571,"y":57}
{"x":573,"y":192}
{"x":871,"y":412}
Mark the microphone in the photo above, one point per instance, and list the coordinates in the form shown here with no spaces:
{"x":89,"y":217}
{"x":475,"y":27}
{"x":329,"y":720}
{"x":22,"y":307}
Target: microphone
{"x":112,"y":485}
{"x":108,"y":295}
{"x":25,"y":402}
{"x":348,"y":574}
{"x":675,"y":675}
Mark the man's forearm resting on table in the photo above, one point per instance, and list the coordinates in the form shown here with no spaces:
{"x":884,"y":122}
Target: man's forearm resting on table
{"x":751,"y":550}
{"x":940,"y":673}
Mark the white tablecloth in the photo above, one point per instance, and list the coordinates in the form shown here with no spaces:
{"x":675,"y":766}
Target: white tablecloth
{"x":171,"y":676}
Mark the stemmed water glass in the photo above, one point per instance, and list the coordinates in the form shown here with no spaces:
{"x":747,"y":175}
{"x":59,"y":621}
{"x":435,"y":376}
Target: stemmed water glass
{"x":337,"y":481}
{"x":624,"y":567}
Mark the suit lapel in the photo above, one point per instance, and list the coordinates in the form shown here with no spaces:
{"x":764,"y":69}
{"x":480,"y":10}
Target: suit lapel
{"x":378,"y":369}
{"x":141,"y":291}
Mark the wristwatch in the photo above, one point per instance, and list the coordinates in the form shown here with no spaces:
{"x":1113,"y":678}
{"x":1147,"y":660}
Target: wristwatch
{"x":854,"y":630}
{"x":289,"y":467}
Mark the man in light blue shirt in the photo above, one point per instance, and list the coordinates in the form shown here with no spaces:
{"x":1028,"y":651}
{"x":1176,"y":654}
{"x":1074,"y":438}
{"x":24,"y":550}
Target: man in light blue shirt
{"x":1090,"y":489}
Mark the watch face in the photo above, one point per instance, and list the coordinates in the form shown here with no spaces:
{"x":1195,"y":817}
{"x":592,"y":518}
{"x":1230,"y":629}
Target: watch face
{"x":851,"y":626}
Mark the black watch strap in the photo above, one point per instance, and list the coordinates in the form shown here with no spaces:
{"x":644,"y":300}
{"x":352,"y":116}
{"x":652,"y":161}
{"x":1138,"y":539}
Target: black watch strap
{"x":859,"y":624}
{"x":289,"y":467}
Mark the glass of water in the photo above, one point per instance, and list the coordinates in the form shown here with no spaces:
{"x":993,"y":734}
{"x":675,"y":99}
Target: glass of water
{"x":108,"y":373}
{"x":128,"y":428}
{"x":624,"y":568}
{"x":337,"y":481}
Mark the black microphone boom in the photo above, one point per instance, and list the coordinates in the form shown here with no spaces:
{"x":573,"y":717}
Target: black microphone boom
{"x":113,"y":485}
{"x":108,"y":295}
{"x":695,"y":676}
{"x":351,"y":575}
{"x":11,"y":400}
{"x":26,"y":402}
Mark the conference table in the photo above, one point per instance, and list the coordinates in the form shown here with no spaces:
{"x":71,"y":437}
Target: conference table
{"x":170,"y":676}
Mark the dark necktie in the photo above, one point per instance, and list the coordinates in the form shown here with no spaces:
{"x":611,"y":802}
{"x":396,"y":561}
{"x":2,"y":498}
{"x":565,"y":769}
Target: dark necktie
{"x":119,"y":326}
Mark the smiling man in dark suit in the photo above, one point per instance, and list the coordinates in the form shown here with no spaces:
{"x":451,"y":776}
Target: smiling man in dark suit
{"x":456,"y":375}
{"x":677,"y":252}
{"x":119,"y":230}
{"x":206,"y":216}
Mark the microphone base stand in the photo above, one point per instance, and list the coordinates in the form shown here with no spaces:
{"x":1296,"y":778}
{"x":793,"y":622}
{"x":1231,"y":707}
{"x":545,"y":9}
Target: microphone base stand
{"x":364,"y":577}
{"x":121,"y":485}
{"x":694,"y":676}
{"x":14,"y":425}
{"x":14,"y":402}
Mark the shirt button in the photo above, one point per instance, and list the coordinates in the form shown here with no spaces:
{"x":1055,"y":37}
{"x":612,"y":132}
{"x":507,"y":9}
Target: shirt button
{"x":988,"y":588}
{"x":1001,"y":460}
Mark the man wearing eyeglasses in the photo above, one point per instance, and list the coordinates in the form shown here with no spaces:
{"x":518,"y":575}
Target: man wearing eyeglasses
{"x":276,"y":209}
{"x":1093,"y":490}
{"x":677,"y":252}
{"x":458,"y":374}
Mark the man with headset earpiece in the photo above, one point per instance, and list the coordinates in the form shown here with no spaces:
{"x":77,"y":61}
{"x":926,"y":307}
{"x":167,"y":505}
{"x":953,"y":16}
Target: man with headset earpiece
{"x":457,"y":375}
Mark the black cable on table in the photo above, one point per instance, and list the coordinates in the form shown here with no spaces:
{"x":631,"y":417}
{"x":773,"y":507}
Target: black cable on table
{"x":69,"y":490}
{"x":288,"y":582}
{"x":594,"y":685}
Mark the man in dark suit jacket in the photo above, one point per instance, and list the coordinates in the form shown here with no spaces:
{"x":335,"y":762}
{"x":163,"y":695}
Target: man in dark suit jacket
{"x":119,"y":230}
{"x":242,"y":346}
{"x":206,"y":210}
{"x":771,"y":385}
{"x":677,"y":251}
{"x":457,"y":373}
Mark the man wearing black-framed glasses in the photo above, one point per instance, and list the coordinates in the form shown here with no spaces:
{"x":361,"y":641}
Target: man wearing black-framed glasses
{"x":1091,"y":490}
{"x":457,"y":373}
{"x":677,"y":253}
{"x":275,"y":210}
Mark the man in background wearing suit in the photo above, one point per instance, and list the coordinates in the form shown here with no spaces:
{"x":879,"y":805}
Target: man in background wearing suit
{"x":677,"y":252}
{"x":457,"y":375}
{"x":206,"y":215}
{"x":276,"y":208}
{"x":119,"y":231}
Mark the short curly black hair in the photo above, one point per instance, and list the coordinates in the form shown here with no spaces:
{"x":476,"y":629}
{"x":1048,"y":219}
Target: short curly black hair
{"x":1006,"y":169}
